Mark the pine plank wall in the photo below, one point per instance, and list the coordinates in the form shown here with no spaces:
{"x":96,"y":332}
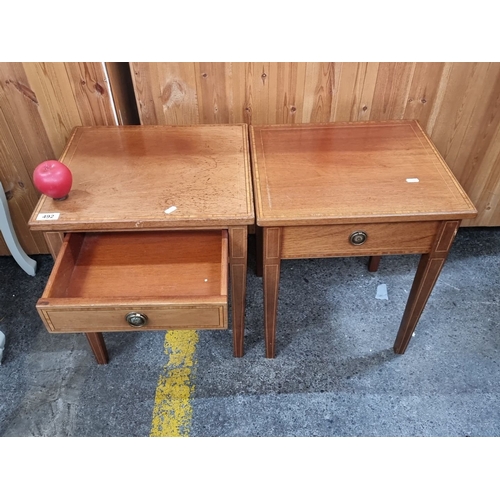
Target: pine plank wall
{"x":458,"y":104}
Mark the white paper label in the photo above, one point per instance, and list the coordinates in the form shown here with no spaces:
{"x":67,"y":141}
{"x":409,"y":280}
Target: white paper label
{"x":170,"y":210}
{"x":413,"y":179}
{"x":47,"y":216}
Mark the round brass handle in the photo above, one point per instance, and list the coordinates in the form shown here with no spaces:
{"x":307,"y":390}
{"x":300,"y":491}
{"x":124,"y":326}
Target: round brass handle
{"x":136,"y":319}
{"x":358,"y":238}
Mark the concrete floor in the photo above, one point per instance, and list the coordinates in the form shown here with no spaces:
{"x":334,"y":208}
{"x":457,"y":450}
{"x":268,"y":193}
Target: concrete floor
{"x":335,"y":373}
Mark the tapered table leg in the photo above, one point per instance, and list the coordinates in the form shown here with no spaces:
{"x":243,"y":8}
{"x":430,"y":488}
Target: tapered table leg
{"x":96,"y":341}
{"x":373,"y":263}
{"x":271,"y":280}
{"x":238,"y":256}
{"x":427,"y":274}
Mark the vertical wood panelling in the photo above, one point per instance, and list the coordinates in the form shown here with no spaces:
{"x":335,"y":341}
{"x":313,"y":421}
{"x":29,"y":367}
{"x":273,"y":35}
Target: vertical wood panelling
{"x":486,"y":186}
{"x":476,"y":122}
{"x":258,"y":92}
{"x":288,"y":95}
{"x":319,"y":87}
{"x":214,"y":90}
{"x":356,"y":91}
{"x":144,"y":86}
{"x":422,"y":96}
{"x":91,"y":93}
{"x":239,"y":114}
{"x":40,"y":103}
{"x":177,"y":91}
{"x":51,"y":84}
{"x":24,"y":144}
{"x":392,"y":89}
{"x":459,"y":100}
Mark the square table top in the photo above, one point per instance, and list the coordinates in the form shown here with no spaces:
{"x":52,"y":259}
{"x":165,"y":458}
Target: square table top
{"x":126,"y":177}
{"x":352,"y":172}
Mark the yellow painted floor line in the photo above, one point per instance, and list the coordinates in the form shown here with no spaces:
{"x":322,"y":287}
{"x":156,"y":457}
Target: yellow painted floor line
{"x":172,"y":412}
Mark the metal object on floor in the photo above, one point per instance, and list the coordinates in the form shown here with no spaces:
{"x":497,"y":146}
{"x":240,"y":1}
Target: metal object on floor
{"x":2,"y":345}
{"x":9,"y":235}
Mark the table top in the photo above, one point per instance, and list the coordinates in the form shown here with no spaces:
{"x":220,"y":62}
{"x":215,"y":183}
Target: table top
{"x":153,"y":177}
{"x":352,"y":172}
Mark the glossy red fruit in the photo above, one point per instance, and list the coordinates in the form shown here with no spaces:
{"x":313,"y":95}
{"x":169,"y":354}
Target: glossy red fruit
{"x":53,"y":179}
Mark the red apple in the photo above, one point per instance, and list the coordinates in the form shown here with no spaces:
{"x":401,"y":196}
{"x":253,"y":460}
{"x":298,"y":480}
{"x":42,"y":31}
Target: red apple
{"x":53,"y":179}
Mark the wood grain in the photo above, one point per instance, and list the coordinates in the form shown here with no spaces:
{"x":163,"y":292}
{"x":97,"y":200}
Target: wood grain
{"x":271,"y":281}
{"x":355,"y":92}
{"x":333,"y":241}
{"x":124,"y":178}
{"x":319,"y":91}
{"x":428,"y":271}
{"x":238,"y":256}
{"x":351,"y":172}
{"x":96,"y":341}
{"x":456,"y":104}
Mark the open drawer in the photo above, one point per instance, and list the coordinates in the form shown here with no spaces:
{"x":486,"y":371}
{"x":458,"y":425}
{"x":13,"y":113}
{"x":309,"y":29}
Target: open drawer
{"x":127,"y":281}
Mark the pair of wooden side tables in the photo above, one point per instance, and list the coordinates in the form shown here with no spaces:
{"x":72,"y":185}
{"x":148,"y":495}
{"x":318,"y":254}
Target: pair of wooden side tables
{"x":158,"y":217}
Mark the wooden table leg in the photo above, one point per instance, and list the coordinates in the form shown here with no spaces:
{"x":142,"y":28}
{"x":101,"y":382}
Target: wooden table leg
{"x":373,"y":263}
{"x":54,"y":242}
{"x":96,"y":341}
{"x":258,"y":250}
{"x":238,"y":257}
{"x":427,"y":274}
{"x":271,"y":281}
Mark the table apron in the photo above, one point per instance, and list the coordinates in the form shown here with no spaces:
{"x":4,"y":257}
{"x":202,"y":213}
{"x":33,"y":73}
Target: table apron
{"x":381,"y":239}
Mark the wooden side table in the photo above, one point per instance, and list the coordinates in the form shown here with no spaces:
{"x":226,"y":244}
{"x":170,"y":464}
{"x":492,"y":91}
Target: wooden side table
{"x":352,"y":189}
{"x":155,"y":217}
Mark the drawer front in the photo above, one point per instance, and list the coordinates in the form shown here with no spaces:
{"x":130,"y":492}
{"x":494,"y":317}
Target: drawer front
{"x":61,"y":319}
{"x":357,"y":239}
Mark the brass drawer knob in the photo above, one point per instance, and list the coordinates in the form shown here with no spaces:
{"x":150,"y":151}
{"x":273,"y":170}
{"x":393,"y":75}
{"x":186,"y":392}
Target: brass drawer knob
{"x":358,"y":238}
{"x":136,"y":319}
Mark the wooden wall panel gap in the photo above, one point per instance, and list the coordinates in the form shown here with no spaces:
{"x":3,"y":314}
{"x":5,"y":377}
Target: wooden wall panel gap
{"x":120,"y":80}
{"x":238,"y":99}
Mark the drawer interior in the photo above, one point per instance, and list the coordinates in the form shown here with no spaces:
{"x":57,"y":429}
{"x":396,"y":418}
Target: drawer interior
{"x":141,"y":265}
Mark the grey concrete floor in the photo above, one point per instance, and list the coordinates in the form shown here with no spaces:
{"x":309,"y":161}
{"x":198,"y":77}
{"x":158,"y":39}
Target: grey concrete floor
{"x":335,"y":373}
